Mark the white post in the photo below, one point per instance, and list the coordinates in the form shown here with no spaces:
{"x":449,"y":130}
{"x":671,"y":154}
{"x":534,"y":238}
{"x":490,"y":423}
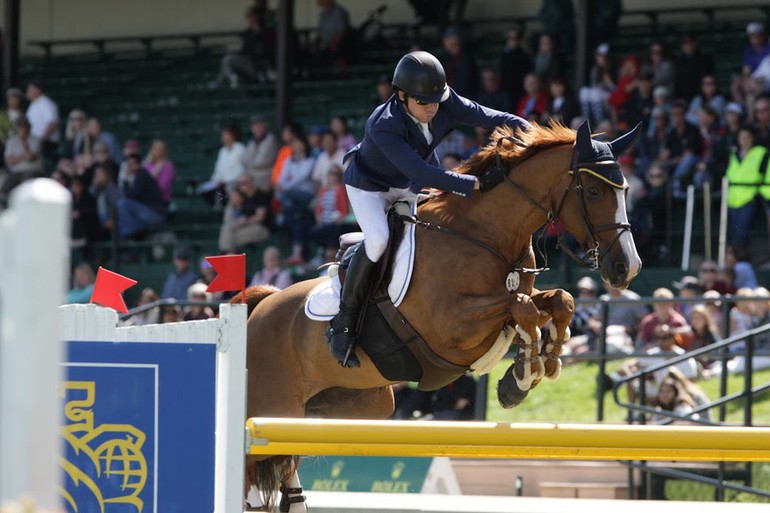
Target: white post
{"x":230,"y":410}
{"x":34,"y":265}
{"x":688,"y":227}
{"x":723,"y":222}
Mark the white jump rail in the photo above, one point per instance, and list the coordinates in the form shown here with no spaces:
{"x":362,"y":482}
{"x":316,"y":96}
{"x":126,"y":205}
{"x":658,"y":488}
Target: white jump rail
{"x":34,"y":262}
{"x":91,"y":322}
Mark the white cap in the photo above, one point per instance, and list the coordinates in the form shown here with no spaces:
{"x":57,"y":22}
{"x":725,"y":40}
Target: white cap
{"x":603,"y":49}
{"x":754,"y":27}
{"x":734,"y":107}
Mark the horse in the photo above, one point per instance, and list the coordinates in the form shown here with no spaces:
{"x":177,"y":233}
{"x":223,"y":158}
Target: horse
{"x":461,"y":299}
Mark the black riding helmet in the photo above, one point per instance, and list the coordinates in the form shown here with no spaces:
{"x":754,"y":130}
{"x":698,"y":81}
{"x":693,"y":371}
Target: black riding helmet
{"x":421,"y":76}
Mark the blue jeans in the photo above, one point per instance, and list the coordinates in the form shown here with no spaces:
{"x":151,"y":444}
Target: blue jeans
{"x":681,"y":172}
{"x":740,"y":223}
{"x":134,"y":216}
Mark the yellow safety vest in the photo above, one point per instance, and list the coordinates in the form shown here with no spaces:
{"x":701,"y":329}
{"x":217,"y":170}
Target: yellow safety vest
{"x":764,"y":190}
{"x":744,"y":177}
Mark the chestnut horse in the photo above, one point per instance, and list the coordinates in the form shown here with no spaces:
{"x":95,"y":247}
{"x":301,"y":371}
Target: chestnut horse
{"x":458,"y":300}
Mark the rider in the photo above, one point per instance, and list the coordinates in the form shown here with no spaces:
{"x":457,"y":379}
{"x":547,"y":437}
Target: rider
{"x":395,"y":159}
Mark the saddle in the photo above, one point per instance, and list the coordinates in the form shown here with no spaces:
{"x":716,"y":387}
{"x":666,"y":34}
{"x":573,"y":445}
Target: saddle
{"x":394,"y":346}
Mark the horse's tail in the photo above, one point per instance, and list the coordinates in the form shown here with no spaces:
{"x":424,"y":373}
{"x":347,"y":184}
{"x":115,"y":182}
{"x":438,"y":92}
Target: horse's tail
{"x":270,"y":474}
{"x":253,"y":295}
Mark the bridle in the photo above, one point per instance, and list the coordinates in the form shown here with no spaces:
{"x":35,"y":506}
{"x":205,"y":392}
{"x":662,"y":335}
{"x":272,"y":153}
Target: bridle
{"x":593,"y":254}
{"x":577,"y":168}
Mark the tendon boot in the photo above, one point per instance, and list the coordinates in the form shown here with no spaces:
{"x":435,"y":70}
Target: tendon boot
{"x":341,"y":333}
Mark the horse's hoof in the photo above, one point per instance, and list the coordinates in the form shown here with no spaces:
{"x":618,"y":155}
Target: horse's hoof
{"x":508,"y":392}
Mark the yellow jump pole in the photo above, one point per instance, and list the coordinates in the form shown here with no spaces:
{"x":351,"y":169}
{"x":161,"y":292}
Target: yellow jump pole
{"x":323,"y":437}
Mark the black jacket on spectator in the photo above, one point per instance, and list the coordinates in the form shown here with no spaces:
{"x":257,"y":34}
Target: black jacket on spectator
{"x":260,"y":199}
{"x":690,"y":70}
{"x":690,"y":140}
{"x":514,"y":65}
{"x":636,"y":109}
{"x":144,"y":189}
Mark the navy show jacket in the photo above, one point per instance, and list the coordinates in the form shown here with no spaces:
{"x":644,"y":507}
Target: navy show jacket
{"x":394,"y":152}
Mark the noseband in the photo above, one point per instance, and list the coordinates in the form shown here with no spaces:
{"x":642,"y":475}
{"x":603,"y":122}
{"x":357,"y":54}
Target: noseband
{"x":597,"y":169}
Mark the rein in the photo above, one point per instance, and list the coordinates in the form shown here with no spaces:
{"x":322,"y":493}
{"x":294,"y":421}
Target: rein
{"x":499,"y":173}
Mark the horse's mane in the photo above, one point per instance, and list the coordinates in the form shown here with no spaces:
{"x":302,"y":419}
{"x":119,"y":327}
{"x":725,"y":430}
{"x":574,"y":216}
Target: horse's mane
{"x":537,"y":138}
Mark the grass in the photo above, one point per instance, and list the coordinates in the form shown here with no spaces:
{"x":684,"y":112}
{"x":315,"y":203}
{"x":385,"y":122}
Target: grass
{"x":572,"y":398}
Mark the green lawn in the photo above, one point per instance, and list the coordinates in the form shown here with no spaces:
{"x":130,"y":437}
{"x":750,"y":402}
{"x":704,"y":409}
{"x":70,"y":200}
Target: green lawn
{"x":572,"y":398}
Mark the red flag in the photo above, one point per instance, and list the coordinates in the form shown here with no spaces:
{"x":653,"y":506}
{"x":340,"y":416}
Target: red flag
{"x":231,"y":272}
{"x":108,"y":289}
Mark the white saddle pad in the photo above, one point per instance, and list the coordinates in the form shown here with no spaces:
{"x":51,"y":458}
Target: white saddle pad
{"x":323,"y":302}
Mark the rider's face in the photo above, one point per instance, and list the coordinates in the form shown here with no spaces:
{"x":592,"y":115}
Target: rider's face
{"x":423,"y":112}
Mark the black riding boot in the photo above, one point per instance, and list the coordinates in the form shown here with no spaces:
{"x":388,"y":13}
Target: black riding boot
{"x":342,"y":329}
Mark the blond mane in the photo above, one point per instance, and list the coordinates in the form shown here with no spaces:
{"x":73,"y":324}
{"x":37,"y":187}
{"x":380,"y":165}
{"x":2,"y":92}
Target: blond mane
{"x":537,"y":138}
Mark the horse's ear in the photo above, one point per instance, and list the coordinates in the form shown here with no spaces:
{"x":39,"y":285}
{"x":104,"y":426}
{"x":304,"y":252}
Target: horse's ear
{"x":627,"y":140}
{"x":583,"y":143}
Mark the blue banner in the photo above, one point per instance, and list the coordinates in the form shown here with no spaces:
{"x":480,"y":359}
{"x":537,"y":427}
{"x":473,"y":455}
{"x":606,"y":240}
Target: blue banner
{"x":138,"y":427}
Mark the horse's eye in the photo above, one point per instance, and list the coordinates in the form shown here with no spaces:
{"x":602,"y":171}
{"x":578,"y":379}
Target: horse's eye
{"x":593,"y":192}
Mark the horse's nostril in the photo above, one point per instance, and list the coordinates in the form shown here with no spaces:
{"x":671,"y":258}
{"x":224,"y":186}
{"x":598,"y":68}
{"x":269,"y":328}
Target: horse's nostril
{"x":621,"y":269}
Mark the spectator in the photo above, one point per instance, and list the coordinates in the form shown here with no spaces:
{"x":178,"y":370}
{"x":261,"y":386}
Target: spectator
{"x":715,"y":154}
{"x":682,"y":149}
{"x":43,"y":116}
{"x":652,"y":141}
{"x":170,"y":313}
{"x":97,"y":135}
{"x":13,"y":111}
{"x":289,"y":133}
{"x":332,"y":46}
{"x":742,"y":317}
{"x":515,"y":63}
{"x":179,"y":280}
{"x":207,"y":276}
{"x":410,"y":402}
{"x":255,"y":57}
{"x":339,"y":125}
{"x":331,"y":212}
{"x":562,"y":107}
{"x":61,"y":177}
{"x":23,"y":157}
{"x":585,"y":326}
{"x":247,"y":216}
{"x":654,"y":206}
{"x":106,"y":192}
{"x":733,"y":122}
{"x":709,"y":96}
{"x":692,"y":67}
{"x":384,"y":90}
{"x":295,"y":190}
{"x":674,"y":397}
{"x":708,"y":276}
{"x":688,"y":287}
{"x":492,"y":94}
{"x":271,"y":273}
{"x":150,"y":316}
{"x":636,"y":189}
{"x":77,"y":142}
{"x":747,"y":166}
{"x":739,"y":259}
{"x":85,"y":221}
{"x":661,"y":67}
{"x":627,"y":315}
{"x":83,"y":279}
{"x":260,"y":152}
{"x":757,"y":48}
{"x":314,"y":136}
{"x":462,"y":72}
{"x":161,"y":168}
{"x":331,"y":157}
{"x":664,"y":314}
{"x":534,"y":102}
{"x":594,"y":96}
{"x":762,"y":120}
{"x":704,"y":330}
{"x":638,"y":108}
{"x":228,"y":167}
{"x":627,"y":83}
{"x":101,"y":156}
{"x":455,"y":143}
{"x":197,"y":292}
{"x":548,"y":61}
{"x":140,"y":205}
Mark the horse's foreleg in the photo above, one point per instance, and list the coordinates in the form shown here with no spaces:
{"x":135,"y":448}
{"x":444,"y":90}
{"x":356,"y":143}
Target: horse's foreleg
{"x":528,"y":369}
{"x":559,"y":307}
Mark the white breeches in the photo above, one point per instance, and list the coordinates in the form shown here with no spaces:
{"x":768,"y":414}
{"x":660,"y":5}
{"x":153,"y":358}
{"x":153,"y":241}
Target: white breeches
{"x":371,"y":210}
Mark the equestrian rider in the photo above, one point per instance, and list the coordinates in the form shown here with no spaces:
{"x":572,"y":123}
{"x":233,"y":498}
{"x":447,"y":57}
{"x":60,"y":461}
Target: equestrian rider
{"x":395,"y":159}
